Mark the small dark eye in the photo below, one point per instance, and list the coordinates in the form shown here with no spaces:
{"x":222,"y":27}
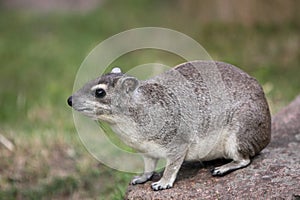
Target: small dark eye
{"x":100,"y":93}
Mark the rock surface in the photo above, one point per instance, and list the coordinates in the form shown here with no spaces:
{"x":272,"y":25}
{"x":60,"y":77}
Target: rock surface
{"x":274,"y":173}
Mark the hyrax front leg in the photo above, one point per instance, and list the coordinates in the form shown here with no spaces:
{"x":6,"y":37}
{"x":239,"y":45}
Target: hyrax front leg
{"x":170,"y":173}
{"x":149,"y":167}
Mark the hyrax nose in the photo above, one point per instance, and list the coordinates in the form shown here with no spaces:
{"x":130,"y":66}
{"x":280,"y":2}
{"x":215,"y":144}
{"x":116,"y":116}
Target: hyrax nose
{"x":70,"y":101}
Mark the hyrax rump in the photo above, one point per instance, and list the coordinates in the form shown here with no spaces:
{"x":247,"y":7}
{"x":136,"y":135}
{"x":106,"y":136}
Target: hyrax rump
{"x":199,"y":110}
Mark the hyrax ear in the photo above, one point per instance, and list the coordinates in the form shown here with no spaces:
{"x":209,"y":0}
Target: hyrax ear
{"x":129,"y":84}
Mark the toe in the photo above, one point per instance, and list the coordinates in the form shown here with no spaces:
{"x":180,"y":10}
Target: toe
{"x":155,"y":186}
{"x":216,"y":172}
{"x":160,"y":186}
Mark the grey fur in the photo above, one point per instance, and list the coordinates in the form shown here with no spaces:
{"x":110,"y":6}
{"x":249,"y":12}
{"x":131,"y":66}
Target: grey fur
{"x":199,"y":110}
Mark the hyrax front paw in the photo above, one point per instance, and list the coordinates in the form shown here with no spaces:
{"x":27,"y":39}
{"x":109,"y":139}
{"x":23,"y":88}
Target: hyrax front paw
{"x":161,"y":185}
{"x":138,"y":180}
{"x":141,"y":179}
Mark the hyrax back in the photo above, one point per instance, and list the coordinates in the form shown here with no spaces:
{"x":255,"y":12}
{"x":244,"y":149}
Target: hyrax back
{"x":200,"y":110}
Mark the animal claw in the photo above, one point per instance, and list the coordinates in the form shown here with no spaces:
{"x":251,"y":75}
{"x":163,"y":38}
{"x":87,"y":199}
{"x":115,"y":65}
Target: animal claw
{"x":160,"y":186}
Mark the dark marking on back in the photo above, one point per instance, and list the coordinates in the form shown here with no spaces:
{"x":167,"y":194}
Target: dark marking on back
{"x":199,"y":87}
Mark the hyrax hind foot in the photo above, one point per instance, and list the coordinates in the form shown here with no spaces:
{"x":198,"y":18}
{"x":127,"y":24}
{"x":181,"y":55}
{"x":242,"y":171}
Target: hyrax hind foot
{"x":229,"y":167}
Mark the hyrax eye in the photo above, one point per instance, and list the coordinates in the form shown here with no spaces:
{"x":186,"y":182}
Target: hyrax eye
{"x":100,"y":93}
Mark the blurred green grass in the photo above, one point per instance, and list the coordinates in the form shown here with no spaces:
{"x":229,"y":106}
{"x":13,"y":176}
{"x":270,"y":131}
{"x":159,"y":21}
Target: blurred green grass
{"x":40,"y":54}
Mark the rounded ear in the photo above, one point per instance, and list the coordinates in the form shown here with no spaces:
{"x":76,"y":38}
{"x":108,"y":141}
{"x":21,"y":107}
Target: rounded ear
{"x":129,"y":84}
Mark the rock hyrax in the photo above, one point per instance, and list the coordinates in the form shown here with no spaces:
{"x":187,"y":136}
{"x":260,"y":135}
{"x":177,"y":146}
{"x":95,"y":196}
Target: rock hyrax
{"x":199,"y":110}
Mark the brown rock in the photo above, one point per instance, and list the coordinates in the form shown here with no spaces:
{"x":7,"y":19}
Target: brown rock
{"x":274,"y":173}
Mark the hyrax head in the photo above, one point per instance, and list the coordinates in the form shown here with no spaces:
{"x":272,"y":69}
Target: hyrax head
{"x":103,"y":98}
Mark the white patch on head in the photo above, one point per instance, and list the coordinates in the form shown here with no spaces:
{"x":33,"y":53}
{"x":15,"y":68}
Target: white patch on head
{"x":102,"y":86}
{"x":116,"y":70}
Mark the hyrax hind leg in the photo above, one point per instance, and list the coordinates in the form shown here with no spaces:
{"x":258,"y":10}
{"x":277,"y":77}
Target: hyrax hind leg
{"x":238,"y":160}
{"x":233,"y":165}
